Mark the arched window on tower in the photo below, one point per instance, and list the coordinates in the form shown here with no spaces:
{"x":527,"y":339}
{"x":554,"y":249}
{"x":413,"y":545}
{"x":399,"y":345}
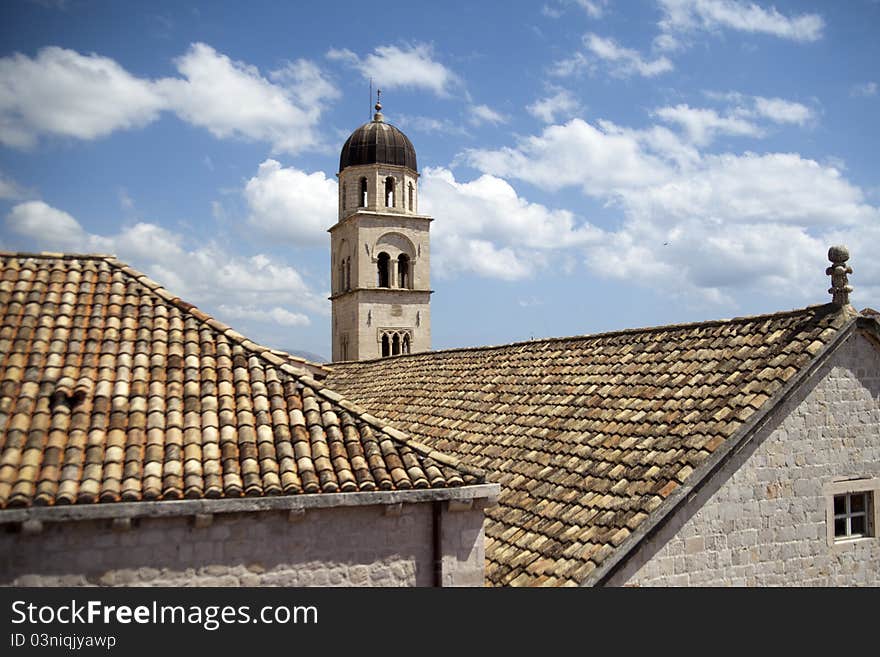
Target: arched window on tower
{"x":348,"y":273}
{"x":363,"y":195}
{"x":384,"y":270}
{"x":395,"y":343}
{"x":341,"y":287}
{"x":389,"y":192}
{"x":410,"y":197}
{"x":344,"y":197}
{"x":403,"y":271}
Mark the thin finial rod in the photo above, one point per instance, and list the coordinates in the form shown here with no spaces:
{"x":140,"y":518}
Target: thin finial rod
{"x":378,"y":115}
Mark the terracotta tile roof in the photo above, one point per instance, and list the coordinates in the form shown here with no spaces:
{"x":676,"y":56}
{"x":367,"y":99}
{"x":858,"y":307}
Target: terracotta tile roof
{"x":589,"y":435}
{"x":112,"y":389}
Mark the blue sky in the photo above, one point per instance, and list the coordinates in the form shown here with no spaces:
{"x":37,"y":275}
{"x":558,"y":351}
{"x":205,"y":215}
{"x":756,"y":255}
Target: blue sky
{"x":590,"y":164}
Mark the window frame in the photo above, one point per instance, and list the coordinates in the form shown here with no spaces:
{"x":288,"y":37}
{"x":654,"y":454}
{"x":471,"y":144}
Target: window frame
{"x":390,"y":187}
{"x":363,"y":192}
{"x":386,"y":337}
{"x":386,"y":271}
{"x":403,"y":264}
{"x":870,"y":488}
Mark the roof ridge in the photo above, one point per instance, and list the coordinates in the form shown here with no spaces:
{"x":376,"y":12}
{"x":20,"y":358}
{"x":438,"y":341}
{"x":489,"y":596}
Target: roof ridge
{"x":189,"y":308}
{"x":703,"y":473}
{"x":266,"y":353}
{"x":605,"y":334}
{"x":389,"y":429}
{"x":57,"y":255}
{"x":260,"y":350}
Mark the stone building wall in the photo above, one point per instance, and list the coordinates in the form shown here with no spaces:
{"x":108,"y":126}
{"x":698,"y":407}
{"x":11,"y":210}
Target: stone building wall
{"x":388,"y":309}
{"x":763,"y":520}
{"x":350,"y":190}
{"x":343,"y":546}
{"x":464,"y":542}
{"x":360,"y":316}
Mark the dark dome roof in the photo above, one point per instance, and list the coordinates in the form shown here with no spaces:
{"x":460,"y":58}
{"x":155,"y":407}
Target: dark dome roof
{"x":378,"y":142}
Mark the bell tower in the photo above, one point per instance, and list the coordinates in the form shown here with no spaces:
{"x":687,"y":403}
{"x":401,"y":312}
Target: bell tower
{"x":379,"y":248}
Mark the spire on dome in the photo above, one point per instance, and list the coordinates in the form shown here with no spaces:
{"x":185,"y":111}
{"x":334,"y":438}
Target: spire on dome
{"x":378,"y":142}
{"x":378,"y":117}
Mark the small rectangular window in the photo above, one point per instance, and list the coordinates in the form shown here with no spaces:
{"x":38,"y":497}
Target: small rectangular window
{"x":852,"y":515}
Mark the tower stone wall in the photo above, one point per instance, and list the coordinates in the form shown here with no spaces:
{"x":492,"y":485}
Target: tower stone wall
{"x":380,"y":252}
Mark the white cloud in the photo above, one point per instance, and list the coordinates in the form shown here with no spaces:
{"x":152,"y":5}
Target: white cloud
{"x":740,"y":223}
{"x":772,"y":188}
{"x":689,"y":15}
{"x":865,"y":90}
{"x":292,"y":205}
{"x":57,"y":230}
{"x":232,"y":99}
{"x":599,"y":159}
{"x":142,"y":242}
{"x":257,"y":279}
{"x":783,"y":111}
{"x":593,"y":8}
{"x":659,"y":141}
{"x":458,"y":255}
{"x":708,"y":226}
{"x":702,"y":125}
{"x":306,"y":83}
{"x":430,"y":125}
{"x":570,"y":66}
{"x":64,"y":93}
{"x":710,"y":262}
{"x":666,"y":43}
{"x":741,"y":119}
{"x":218,"y":212}
{"x":495,"y":232}
{"x":480,"y":114}
{"x":41,"y":221}
{"x":560,"y":105}
{"x":412,"y":66}
{"x":9,"y":189}
{"x":276,"y":315}
{"x":205,"y":274}
{"x":551,"y":12}
{"x":625,"y":61}
{"x":125,"y":201}
{"x":490,"y":207}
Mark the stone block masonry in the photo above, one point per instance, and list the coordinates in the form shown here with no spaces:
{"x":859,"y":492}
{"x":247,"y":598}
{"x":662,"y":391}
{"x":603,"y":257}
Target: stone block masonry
{"x":463,"y":547}
{"x":343,"y":546}
{"x":763,"y":520}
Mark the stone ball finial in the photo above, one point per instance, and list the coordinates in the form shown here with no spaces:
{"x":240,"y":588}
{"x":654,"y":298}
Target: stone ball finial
{"x":838,"y":254}
{"x":378,"y":115}
{"x":839,"y":271}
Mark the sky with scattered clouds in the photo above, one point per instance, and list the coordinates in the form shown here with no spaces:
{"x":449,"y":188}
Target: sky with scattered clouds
{"x":590,"y":164}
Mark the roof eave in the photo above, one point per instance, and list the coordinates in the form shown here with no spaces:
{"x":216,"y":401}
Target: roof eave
{"x":296,"y":503}
{"x":708,"y":469}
